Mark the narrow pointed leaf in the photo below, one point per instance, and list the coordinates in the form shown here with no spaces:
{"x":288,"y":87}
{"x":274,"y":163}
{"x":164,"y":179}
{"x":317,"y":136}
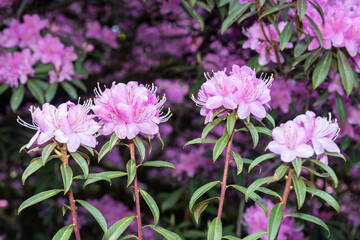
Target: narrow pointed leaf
{"x":328,"y":170}
{"x":113,"y":140}
{"x":269,"y":192}
{"x":168,"y":235}
{"x":47,"y":151}
{"x":17,"y":97}
{"x":271,"y":119}
{"x":254,"y":134}
{"x":316,"y":29}
{"x":34,"y":165}
{"x":64,"y":233}
{"x":231,"y":237}
{"x":115,"y":231}
{"x":235,"y":15}
{"x":131,"y":171}
{"x":152,"y":205}
{"x":35,"y":91}
{"x":261,"y":159}
{"x":200,"y":140}
{"x":255,"y":197}
{"x":200,"y":191}
{"x":346,"y":72}
{"x":140,"y":146}
{"x":339,"y":155}
{"x":274,"y":222}
{"x":104,"y":150}
{"x":286,"y":35}
{"x":264,"y":131}
{"x":192,"y":12}
{"x":81,"y":162}
{"x":79,"y":84}
{"x":309,"y":218}
{"x":67,"y":175}
{"x":300,"y":48}
{"x":340,"y":108}
{"x":297,"y":164}
{"x":69,"y":89}
{"x":3,"y":87}
{"x":95,"y":213}
{"x":255,"y":236}
{"x":255,"y":185}
{"x":300,"y":190}
{"x":38,"y":198}
{"x":301,"y":7}
{"x":239,"y":162}
{"x":220,"y":146}
{"x":215,"y":230}
{"x":322,"y":69}
{"x":158,"y":164}
{"x":230,"y":123}
{"x":324,"y":196}
{"x":200,"y":208}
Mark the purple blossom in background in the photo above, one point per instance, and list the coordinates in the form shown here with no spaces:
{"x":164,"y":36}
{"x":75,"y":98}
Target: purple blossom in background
{"x":281,"y":95}
{"x":129,"y":109}
{"x":256,"y":221}
{"x":175,"y":90}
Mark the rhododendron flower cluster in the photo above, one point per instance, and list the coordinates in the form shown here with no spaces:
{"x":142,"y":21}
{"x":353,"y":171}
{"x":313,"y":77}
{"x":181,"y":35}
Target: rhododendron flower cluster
{"x":256,"y":221}
{"x":69,"y":124}
{"x":16,"y":67}
{"x":129,"y":109}
{"x":340,"y":27}
{"x":303,"y":136}
{"x":260,"y":43}
{"x":240,"y":90}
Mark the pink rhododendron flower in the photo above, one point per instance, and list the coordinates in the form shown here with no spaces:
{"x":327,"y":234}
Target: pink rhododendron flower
{"x":240,"y":90}
{"x":129,"y":109}
{"x":290,"y":142}
{"x":69,"y":124}
{"x":281,"y":95}
{"x":256,"y":221}
{"x":320,"y":131}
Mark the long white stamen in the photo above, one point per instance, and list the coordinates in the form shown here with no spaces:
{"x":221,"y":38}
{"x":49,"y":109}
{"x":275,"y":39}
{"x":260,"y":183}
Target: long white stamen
{"x":164,"y":118}
{"x":25,"y":124}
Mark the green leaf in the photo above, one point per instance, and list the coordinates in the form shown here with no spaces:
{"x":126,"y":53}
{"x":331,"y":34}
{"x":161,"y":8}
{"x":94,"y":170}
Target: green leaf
{"x":316,"y":29}
{"x":318,"y":9}
{"x":17,"y":97}
{"x":81,"y":71}
{"x":95,"y":213}
{"x":65,"y":208}
{"x":340,"y":108}
{"x":314,"y":55}
{"x":327,"y":169}
{"x":274,"y":222}
{"x":172,"y":199}
{"x":113,"y":140}
{"x":200,"y":208}
{"x":274,"y":9}
{"x":346,"y":72}
{"x":339,"y":155}
{"x":107,"y":176}
{"x":253,"y":63}
{"x":215,"y":230}
{"x":261,"y":159}
{"x":34,"y":165}
{"x":115,"y":231}
{"x":300,"y":190}
{"x":301,"y":7}
{"x":297,"y":164}
{"x":169,"y":235}
{"x":131,"y":171}
{"x":43,"y":69}
{"x":35,"y":91}
{"x":286,"y":35}
{"x":269,"y":192}
{"x":255,"y":185}
{"x":38,"y":198}
{"x":152,"y":205}
{"x":69,"y":89}
{"x":200,"y":191}
{"x":193,"y":13}
{"x":3,"y":87}
{"x":230,"y":123}
{"x":81,"y":162}
{"x":140,"y":146}
{"x":322,"y":69}
{"x":158,"y":164}
{"x":300,"y":48}
{"x":255,"y":197}
{"x":324,"y":196}
{"x":64,"y":233}
{"x":67,"y":175}
{"x":51,"y":91}
{"x":220,"y":146}
{"x":239,"y":162}
{"x":264,"y":130}
{"x":79,"y":84}
{"x":200,"y":140}
{"x":231,"y":237}
{"x":254,"y":134}
{"x":271,"y":119}
{"x":309,"y":218}
{"x":235,"y":15}
{"x":128,"y":237}
{"x":255,"y":236}
{"x":104,"y":150}
{"x":192,"y":2}
{"x":47,"y":151}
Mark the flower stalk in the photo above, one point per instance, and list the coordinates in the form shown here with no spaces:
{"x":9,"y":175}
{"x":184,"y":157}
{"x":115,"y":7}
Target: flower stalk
{"x":136,"y":192}
{"x":65,"y":159}
{"x":226,"y":169}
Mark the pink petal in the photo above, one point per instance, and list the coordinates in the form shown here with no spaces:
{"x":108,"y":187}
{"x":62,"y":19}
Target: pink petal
{"x":288,"y":155}
{"x":278,"y":135}
{"x":73,"y":143}
{"x":317,"y":147}
{"x":132,"y":130}
{"x":121,"y":131}
{"x":148,"y":128}
{"x":243,"y":110}
{"x":214,"y":102}
{"x":87,"y":140}
{"x":329,"y":145}
{"x":33,"y":139}
{"x":60,"y":136}
{"x":275,"y":147}
{"x":304,"y":151}
{"x":257,"y":109}
{"x":108,"y":128}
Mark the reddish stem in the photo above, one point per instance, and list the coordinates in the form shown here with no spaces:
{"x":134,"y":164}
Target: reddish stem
{"x":136,"y":192}
{"x":65,"y":159}
{"x":223,"y":183}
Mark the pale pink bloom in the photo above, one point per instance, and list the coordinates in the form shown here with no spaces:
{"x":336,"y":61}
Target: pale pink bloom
{"x":320,"y":131}
{"x":240,"y":90}
{"x":30,"y":29}
{"x":102,"y":33}
{"x":75,"y":126}
{"x":10,"y":36}
{"x":256,"y":221}
{"x":290,"y":142}
{"x":129,"y":109}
